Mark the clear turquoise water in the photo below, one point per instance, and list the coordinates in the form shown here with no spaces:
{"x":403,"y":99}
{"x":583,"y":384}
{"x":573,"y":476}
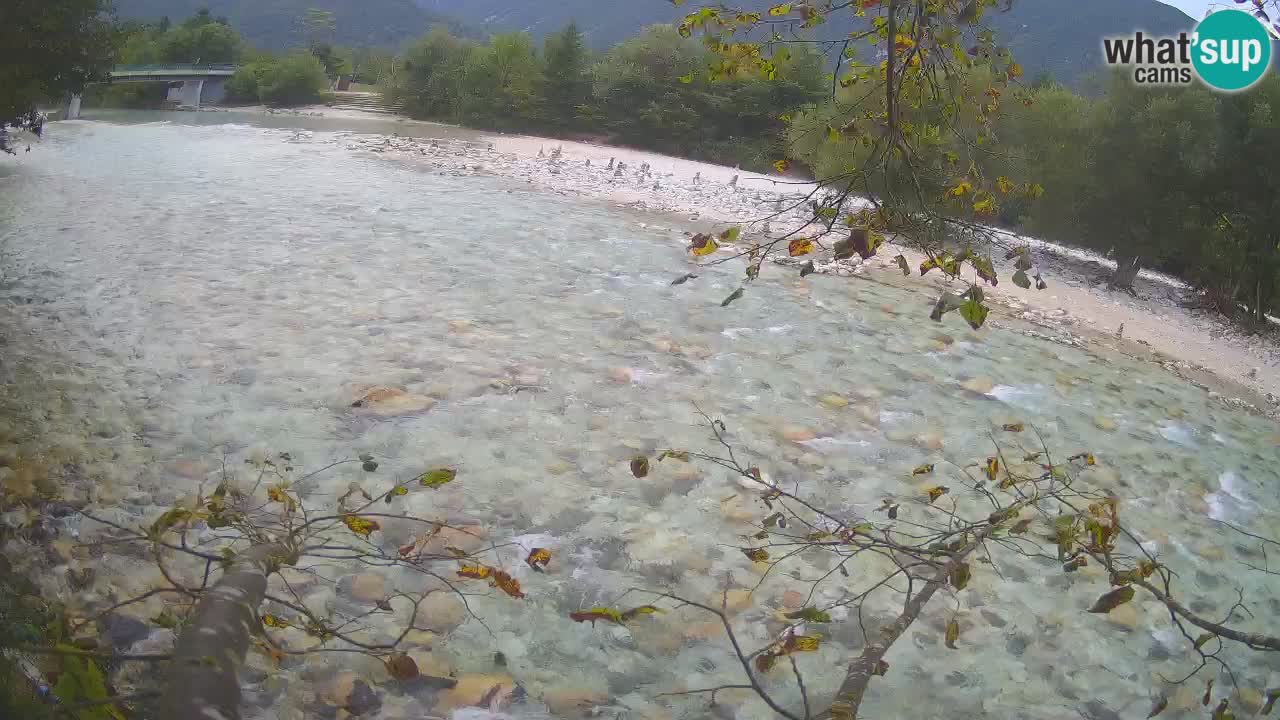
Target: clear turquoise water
{"x":217,"y":289}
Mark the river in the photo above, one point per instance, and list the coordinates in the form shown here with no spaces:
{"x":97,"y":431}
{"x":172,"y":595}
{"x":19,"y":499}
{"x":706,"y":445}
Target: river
{"x":185,"y":291}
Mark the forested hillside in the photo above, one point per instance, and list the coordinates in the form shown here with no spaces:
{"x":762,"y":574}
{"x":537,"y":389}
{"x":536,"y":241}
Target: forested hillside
{"x":1063,"y":38}
{"x":274,"y":24}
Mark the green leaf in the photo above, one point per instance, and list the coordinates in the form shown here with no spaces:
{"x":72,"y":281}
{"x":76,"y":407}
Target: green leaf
{"x":437,"y":477}
{"x":974,"y":312}
{"x":686,"y":79}
{"x":810,"y":614}
{"x":81,"y":682}
{"x":1112,"y":600}
{"x":732,"y":296}
{"x":1021,"y":280}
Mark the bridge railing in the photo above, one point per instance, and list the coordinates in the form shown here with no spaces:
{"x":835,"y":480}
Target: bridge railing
{"x":173,"y":66}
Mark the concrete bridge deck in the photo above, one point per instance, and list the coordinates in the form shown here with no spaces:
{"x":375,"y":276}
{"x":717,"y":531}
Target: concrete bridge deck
{"x":200,"y":83}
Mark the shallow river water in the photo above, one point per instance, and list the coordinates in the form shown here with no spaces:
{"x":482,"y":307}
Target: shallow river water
{"x":207,"y":290}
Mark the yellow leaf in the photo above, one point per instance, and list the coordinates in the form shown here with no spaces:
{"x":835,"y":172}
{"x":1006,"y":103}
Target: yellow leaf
{"x":756,"y":554}
{"x":1015,"y":71}
{"x":992,"y":468}
{"x":438,"y":477}
{"x":780,"y":10}
{"x":1004,"y":184}
{"x":936,"y":492}
{"x":597,"y":613}
{"x":985,"y":206}
{"x":781,"y":165}
{"x":799,"y":246}
{"x":641,"y":611}
{"x":538,"y":558}
{"x":960,"y":189}
{"x":923,"y":470}
{"x":801,"y":643}
{"x":274,"y":621}
{"x":686,"y":79}
{"x":730,"y":234}
{"x":475,"y":572}
{"x":507,"y":584}
{"x":1013,"y":427}
{"x":360,"y":526}
{"x":952,"y":634}
{"x":702,"y":245}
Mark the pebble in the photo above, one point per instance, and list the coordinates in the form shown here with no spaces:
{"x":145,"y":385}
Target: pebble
{"x":834,"y":401}
{"x":442,"y":611}
{"x":368,"y":587}
{"x":1124,"y":617}
{"x":797,"y":433}
{"x":621,"y":375}
{"x":980,"y":385}
{"x":471,"y":689}
{"x":928,"y":440}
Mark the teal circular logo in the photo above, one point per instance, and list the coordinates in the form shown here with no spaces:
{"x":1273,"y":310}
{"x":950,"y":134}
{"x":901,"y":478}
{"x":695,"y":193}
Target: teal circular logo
{"x":1231,"y":50}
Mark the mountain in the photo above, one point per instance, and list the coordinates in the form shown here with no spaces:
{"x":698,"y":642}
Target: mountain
{"x":273,"y":24}
{"x":1063,"y":38}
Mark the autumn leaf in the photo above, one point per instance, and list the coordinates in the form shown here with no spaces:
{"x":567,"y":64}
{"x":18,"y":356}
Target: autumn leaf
{"x":1013,"y":427}
{"x":1272,"y":697}
{"x":1208,"y":693}
{"x":1112,"y":600}
{"x":902,"y":263}
{"x":1221,"y":712}
{"x":732,"y":296}
{"x":169,"y":519}
{"x":597,"y":613}
{"x":639,"y":466}
{"x":922,"y":470}
{"x":809,"y":614}
{"x":959,"y":576}
{"x":864,"y":242}
{"x":1088,"y":458}
{"x":960,"y":189}
{"x":538,"y":559}
{"x":799,"y":246}
{"x":985,"y":269}
{"x":782,"y":165}
{"x":952,"y":634}
{"x":756,"y":554}
{"x":800,"y":643}
{"x":681,"y":455}
{"x":780,"y":10}
{"x":1158,"y":706}
{"x":936,"y":492}
{"x":437,"y":478}
{"x":1020,"y":527}
{"x":641,"y":611}
{"x":730,"y":234}
{"x":475,"y":572}
{"x":686,"y":79}
{"x":1015,"y":71}
{"x":1021,"y":280}
{"x":397,"y":491}
{"x":702,"y":245}
{"x":274,"y":621}
{"x":506,"y":583}
{"x":765,"y":662}
{"x":992,"y":468}
{"x":360,"y":526}
{"x":402,"y":667}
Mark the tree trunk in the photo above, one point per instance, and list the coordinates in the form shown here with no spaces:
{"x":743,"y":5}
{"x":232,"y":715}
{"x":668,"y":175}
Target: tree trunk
{"x":203,"y":677}
{"x":1127,"y":267}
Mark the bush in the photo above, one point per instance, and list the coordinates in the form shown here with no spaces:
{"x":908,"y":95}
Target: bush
{"x":243,"y":86}
{"x":296,"y":79}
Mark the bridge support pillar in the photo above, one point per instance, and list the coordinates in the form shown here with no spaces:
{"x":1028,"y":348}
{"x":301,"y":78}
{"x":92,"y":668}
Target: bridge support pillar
{"x":191,"y":92}
{"x":71,"y":107}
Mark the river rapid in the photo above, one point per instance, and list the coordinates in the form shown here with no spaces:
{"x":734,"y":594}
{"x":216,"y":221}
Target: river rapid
{"x":187,"y":292}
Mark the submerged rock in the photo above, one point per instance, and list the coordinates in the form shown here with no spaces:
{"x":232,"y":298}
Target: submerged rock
{"x":391,"y":402}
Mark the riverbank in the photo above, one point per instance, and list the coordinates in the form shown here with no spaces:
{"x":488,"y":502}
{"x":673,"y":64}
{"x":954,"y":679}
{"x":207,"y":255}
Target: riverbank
{"x":1076,"y":297}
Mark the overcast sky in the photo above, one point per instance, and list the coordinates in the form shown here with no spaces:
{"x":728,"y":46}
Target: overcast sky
{"x":1197,"y":8}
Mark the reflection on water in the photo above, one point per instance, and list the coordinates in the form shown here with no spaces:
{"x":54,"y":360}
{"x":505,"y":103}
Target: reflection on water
{"x":231,"y":288}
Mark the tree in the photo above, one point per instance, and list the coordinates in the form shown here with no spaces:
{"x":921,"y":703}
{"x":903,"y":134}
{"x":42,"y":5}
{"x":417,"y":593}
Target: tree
{"x":200,"y":39}
{"x":49,"y":48}
{"x":565,"y":85}
{"x":498,"y":79}
{"x":296,"y":79}
{"x":429,"y":75}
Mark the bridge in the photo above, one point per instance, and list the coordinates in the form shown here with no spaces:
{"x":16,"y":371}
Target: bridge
{"x":190,"y":84}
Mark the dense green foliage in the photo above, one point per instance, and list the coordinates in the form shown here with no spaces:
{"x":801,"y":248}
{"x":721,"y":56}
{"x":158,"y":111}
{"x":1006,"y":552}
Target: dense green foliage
{"x":1172,"y":178}
{"x":276,"y":25}
{"x":1063,"y":38}
{"x":651,"y":91}
{"x":48,"y":48}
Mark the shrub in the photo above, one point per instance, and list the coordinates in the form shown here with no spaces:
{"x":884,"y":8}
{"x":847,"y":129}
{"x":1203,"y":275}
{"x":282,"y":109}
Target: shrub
{"x":296,"y":79}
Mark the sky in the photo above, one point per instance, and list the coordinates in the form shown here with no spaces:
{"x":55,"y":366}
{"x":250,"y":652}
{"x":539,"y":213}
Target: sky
{"x":1197,"y":8}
